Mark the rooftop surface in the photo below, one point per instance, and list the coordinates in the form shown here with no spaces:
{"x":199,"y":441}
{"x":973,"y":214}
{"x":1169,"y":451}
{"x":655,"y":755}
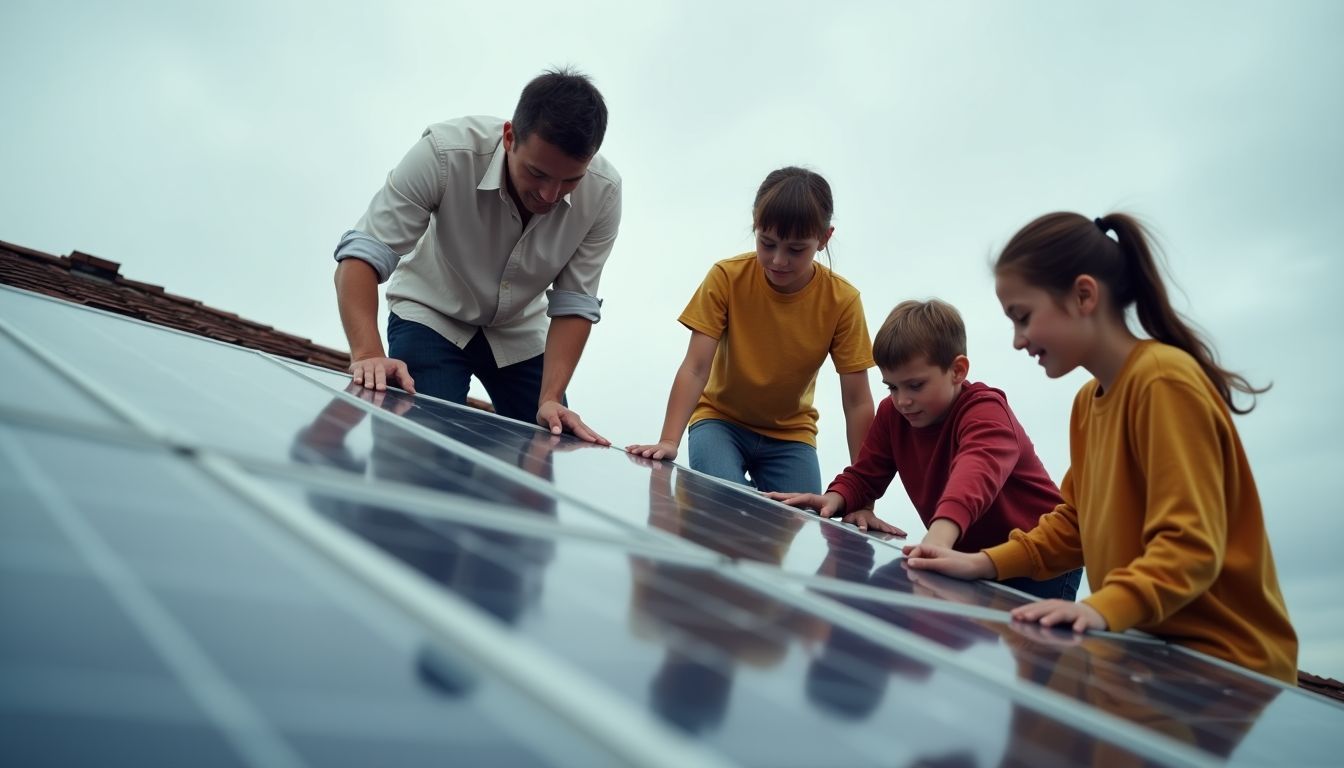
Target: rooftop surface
{"x":269,"y":568}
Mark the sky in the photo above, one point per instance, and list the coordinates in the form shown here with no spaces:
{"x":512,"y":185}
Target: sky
{"x":220,"y":150}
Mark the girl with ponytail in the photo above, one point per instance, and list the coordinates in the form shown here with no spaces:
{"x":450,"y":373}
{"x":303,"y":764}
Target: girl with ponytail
{"x":1159,"y":502}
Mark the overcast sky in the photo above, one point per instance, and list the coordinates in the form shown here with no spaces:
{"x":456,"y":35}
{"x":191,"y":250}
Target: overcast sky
{"x":221,"y":151}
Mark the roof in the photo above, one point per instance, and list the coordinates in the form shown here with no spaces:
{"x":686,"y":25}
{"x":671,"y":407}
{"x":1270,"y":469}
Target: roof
{"x":82,"y":278}
{"x":312,"y":575}
{"x":1325,"y":686}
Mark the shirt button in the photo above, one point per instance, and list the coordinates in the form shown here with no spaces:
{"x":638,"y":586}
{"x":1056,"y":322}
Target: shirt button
{"x":504,"y":285}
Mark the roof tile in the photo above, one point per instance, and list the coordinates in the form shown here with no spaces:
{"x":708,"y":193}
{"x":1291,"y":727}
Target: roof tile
{"x":83,"y":278}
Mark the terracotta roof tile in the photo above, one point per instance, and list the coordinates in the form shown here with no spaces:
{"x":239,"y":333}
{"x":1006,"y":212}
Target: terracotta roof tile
{"x":1325,"y":686}
{"x":82,"y":278}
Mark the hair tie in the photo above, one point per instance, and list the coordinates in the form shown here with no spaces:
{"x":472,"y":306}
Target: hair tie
{"x":1103,"y":226}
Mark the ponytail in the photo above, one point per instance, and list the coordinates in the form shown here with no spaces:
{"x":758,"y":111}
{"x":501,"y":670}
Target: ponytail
{"x":1052,"y":251}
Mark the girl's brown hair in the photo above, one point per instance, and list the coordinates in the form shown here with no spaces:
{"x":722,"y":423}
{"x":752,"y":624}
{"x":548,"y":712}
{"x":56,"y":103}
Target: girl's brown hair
{"x":795,"y":203}
{"x":1052,"y":251}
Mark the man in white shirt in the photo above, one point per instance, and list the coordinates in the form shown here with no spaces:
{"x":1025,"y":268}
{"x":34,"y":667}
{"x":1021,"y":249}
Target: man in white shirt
{"x":484,"y":229}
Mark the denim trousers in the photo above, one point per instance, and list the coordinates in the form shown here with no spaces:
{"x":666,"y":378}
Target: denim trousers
{"x":739,"y":455}
{"x":443,"y":370}
{"x":1062,"y":587}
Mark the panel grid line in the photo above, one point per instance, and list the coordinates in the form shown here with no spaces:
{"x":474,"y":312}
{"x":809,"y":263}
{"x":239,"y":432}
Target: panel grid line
{"x":246,"y":731}
{"x":1087,"y":719}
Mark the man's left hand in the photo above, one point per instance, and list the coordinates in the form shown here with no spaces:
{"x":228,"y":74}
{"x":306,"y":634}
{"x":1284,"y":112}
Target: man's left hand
{"x":558,"y":418}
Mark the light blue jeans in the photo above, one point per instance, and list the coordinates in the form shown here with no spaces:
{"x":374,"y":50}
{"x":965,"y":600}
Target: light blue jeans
{"x":730,"y":452}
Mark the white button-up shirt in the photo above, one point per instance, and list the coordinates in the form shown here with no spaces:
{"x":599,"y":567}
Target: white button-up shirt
{"x":447,"y":234}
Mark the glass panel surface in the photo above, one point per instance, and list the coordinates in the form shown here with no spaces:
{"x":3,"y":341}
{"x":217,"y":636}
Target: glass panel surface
{"x":325,"y":376}
{"x":235,"y":400}
{"x":1183,"y":697}
{"x":334,"y":676}
{"x":35,"y":388}
{"x":755,"y":678}
{"x":710,"y":513}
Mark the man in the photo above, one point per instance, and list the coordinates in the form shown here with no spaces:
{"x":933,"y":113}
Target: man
{"x":475,"y":224}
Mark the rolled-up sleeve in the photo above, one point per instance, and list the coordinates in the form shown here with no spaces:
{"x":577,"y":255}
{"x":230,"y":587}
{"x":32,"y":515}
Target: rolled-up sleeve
{"x":399,"y":212}
{"x":575,"y":288}
{"x":571,"y":304}
{"x":358,"y":245}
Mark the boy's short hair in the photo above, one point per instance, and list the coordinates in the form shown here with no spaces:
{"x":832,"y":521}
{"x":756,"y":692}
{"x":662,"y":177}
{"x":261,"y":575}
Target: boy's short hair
{"x":932,"y":329}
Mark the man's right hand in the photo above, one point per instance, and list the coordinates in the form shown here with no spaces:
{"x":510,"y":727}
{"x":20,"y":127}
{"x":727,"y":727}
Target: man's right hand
{"x":377,"y":372}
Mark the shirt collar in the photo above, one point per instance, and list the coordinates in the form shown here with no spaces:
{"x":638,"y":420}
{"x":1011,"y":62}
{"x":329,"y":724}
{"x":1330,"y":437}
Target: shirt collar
{"x":494,"y":174}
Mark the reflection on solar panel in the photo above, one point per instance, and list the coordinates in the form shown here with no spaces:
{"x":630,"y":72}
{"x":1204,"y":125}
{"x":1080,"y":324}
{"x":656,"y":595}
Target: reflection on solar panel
{"x":209,"y":556}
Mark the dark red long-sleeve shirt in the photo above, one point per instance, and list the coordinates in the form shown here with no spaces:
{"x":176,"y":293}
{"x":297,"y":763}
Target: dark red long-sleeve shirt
{"x":976,"y":467}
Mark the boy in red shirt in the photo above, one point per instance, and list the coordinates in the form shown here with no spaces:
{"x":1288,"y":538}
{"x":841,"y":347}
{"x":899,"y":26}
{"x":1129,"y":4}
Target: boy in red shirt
{"x":967,"y":464}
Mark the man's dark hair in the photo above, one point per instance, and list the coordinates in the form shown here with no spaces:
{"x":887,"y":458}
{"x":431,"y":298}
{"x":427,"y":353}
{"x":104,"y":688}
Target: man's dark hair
{"x":564,"y":108}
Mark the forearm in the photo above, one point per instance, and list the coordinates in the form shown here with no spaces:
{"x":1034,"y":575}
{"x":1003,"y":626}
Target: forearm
{"x":687,"y":387}
{"x":564,"y":346}
{"x":857,"y":399}
{"x":943,"y":533}
{"x":357,"y":299}
{"x":858,"y":420}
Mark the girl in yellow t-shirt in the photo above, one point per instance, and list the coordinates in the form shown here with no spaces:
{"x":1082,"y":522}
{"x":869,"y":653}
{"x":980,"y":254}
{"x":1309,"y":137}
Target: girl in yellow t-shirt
{"x":761,"y":326}
{"x":1159,"y":493}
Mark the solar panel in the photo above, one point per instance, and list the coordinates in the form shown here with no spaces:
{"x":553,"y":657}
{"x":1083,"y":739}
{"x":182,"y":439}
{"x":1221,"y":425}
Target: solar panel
{"x":728,"y":519}
{"x":45,"y":393}
{"x":151,"y":619}
{"x":210,"y":556}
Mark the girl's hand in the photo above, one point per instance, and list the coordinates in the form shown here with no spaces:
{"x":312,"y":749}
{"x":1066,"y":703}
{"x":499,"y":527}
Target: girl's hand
{"x":949,"y":562}
{"x":1049,"y":613}
{"x":663,"y":449}
{"x":826,"y":505}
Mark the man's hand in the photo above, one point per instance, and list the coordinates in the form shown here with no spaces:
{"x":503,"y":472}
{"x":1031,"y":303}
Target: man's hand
{"x":663,"y":449}
{"x":1048,"y":613}
{"x":867,"y":519}
{"x":558,"y":418}
{"x":949,"y":562}
{"x":377,"y":372}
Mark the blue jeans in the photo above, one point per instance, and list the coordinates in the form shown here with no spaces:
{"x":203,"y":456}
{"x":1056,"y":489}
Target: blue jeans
{"x":444,"y":371}
{"x":727,"y":451}
{"x":1063,"y":587}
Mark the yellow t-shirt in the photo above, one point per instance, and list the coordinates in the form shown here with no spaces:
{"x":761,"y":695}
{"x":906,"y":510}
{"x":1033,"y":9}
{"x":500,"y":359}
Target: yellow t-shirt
{"x":1161,"y":508}
{"x":772,"y":344}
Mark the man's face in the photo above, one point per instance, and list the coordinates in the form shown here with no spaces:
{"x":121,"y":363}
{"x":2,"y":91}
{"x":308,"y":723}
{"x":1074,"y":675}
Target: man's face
{"x":540,"y":174}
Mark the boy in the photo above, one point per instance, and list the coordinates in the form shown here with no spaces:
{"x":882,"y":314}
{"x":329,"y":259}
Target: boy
{"x":967,"y":464}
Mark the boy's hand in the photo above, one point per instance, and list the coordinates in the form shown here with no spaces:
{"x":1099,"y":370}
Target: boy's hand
{"x":867,"y":518}
{"x":824,"y":504}
{"x":961,"y":565}
{"x":1080,"y":616}
{"x":663,"y":449}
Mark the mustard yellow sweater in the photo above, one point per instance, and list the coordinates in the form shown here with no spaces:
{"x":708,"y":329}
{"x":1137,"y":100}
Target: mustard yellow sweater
{"x":1161,"y":508}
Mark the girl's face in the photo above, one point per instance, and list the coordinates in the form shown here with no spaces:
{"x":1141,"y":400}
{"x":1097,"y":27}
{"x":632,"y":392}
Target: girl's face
{"x":787,"y":263}
{"x":1049,"y":332}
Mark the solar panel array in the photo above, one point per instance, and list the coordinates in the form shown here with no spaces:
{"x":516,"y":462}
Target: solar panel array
{"x":210,"y":556}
